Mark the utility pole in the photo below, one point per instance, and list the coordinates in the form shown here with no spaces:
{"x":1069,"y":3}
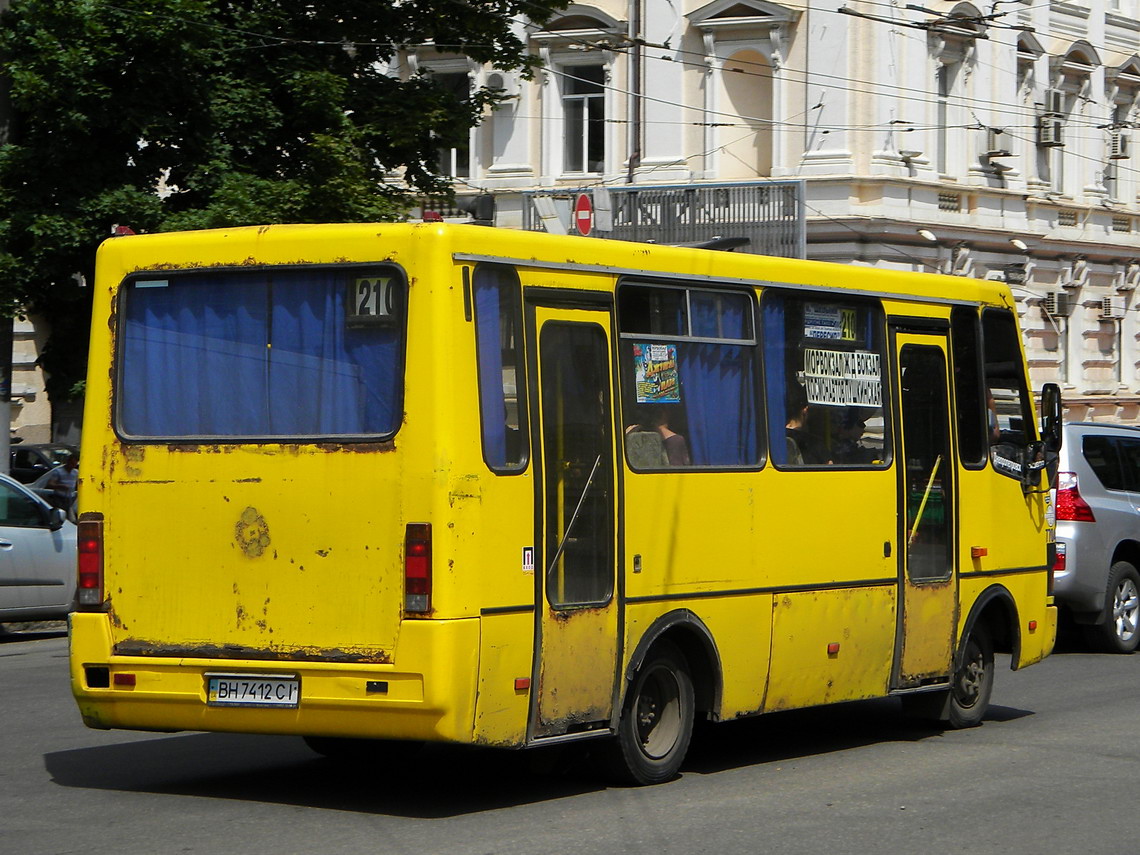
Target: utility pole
{"x":5,"y":323}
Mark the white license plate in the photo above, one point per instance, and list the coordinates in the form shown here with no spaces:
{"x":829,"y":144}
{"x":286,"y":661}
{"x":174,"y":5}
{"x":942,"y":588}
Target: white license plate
{"x":252,"y":690}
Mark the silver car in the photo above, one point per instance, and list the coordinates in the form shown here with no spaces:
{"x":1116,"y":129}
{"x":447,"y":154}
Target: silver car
{"x":37,"y":556}
{"x":1097,"y":505}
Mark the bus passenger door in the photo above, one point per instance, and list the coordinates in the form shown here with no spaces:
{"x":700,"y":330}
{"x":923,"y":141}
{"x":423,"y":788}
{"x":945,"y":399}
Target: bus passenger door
{"x":575,"y":566}
{"x":928,"y":585}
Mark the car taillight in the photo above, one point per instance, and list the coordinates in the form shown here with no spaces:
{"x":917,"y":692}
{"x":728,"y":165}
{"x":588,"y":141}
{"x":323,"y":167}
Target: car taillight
{"x":89,"y":540}
{"x":417,"y":568}
{"x":1070,"y":505}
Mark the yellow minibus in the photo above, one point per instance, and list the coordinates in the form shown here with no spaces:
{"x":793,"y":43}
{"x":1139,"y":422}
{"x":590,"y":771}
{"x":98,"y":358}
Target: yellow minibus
{"x":425,"y":482}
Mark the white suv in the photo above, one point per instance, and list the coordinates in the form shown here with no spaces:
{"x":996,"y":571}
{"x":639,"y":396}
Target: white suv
{"x":1097,"y":505}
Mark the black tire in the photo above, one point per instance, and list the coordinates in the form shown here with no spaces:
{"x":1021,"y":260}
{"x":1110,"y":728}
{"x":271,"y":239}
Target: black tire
{"x":1119,"y":630}
{"x":973,"y":681}
{"x":360,"y":751}
{"x":656,"y":723}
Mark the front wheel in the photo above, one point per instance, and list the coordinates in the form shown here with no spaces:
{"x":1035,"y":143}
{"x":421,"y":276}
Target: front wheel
{"x":1119,"y":632}
{"x":657,"y":719}
{"x":973,"y":682}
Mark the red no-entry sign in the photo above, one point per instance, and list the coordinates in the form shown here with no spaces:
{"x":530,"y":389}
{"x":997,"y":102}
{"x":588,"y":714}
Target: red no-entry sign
{"x":583,"y":214}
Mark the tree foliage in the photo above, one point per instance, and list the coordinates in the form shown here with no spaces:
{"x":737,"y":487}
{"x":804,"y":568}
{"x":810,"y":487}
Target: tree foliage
{"x":238,"y":111}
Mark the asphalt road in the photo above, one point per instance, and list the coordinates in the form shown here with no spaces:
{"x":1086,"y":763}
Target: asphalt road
{"x":1052,"y":770}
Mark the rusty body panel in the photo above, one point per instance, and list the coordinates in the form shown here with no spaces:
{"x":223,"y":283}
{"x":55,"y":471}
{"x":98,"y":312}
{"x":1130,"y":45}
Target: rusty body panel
{"x":858,"y":624}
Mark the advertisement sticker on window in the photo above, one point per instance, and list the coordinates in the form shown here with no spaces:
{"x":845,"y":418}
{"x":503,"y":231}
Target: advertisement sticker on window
{"x":842,"y":378}
{"x":655,"y":370}
{"x":830,"y":322}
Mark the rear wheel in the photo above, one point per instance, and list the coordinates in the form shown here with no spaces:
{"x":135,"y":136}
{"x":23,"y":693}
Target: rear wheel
{"x":973,"y":682}
{"x":1120,"y":630}
{"x":656,"y":723}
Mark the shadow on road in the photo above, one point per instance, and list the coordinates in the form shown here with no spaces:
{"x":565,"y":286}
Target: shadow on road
{"x":446,"y":780}
{"x":13,"y":632}
{"x":795,"y":734}
{"x":442,"y":780}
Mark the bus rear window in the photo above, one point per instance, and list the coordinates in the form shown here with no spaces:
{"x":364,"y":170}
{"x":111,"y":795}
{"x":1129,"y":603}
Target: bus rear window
{"x":260,"y":354}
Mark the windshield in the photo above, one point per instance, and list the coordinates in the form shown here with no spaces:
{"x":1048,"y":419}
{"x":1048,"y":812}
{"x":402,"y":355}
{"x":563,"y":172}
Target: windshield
{"x":262,"y":354}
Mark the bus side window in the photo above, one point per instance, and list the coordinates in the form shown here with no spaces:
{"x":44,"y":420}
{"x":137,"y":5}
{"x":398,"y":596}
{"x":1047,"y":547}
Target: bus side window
{"x":498,"y":341}
{"x":1010,"y":425}
{"x":969,"y":402}
{"x":688,"y":367}
{"x":824,"y":373}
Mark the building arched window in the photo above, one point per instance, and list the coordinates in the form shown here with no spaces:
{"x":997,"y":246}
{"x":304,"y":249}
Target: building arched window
{"x":1064,"y":149}
{"x":1123,"y":95}
{"x":745,"y":139}
{"x":578,"y":100}
{"x":745,"y":46}
{"x":951,"y":43}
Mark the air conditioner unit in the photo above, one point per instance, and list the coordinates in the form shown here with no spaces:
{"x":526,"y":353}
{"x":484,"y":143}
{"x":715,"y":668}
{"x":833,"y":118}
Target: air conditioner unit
{"x":1050,"y":132}
{"x":995,"y":143}
{"x":506,"y":81}
{"x":1118,"y":145}
{"x":1054,"y":102}
{"x":1112,"y":308}
{"x":1056,"y":304}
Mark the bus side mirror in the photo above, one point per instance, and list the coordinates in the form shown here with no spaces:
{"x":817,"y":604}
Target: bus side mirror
{"x":1051,"y":417}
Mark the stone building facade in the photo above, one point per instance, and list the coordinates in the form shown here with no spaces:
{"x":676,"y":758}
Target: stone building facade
{"x":987,"y":141}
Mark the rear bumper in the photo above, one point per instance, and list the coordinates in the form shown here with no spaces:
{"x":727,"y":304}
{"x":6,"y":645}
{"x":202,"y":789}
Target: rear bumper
{"x":428,"y":694}
{"x":1081,"y":586}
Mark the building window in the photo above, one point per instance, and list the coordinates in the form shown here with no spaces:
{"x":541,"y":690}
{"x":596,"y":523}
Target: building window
{"x":944,"y":82}
{"x":584,"y":118}
{"x":455,"y":162}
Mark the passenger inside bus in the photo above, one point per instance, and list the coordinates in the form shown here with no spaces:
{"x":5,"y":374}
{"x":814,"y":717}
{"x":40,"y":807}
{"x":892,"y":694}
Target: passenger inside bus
{"x":849,"y":430}
{"x":804,"y":445}
{"x":652,"y":442}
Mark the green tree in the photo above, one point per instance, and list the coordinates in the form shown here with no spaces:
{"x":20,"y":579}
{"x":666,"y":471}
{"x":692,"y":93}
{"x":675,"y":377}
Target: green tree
{"x":186,"y":114}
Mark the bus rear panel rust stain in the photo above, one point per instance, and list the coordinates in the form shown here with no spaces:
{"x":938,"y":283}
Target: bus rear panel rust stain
{"x":251,"y":532}
{"x":138,"y":647}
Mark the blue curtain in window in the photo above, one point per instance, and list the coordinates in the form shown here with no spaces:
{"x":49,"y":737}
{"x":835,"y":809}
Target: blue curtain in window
{"x":326,"y":377}
{"x":241,"y":354}
{"x":720,"y":396}
{"x":489,"y":343}
{"x":193,"y":358}
{"x":773,"y":336}
{"x":719,"y":390}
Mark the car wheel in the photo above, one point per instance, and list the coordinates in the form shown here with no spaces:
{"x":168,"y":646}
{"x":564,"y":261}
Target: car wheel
{"x":1120,"y":630}
{"x":656,"y":723}
{"x":973,"y":681}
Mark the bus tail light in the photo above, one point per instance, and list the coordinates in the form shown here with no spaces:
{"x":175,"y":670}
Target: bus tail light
{"x":89,"y":540}
{"x":417,"y":568}
{"x":1070,"y":505}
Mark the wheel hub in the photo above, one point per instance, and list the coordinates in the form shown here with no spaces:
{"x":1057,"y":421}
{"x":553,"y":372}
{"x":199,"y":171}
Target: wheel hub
{"x":1125,"y":609}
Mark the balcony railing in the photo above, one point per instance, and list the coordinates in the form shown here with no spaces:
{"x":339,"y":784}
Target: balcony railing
{"x":769,"y":214}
